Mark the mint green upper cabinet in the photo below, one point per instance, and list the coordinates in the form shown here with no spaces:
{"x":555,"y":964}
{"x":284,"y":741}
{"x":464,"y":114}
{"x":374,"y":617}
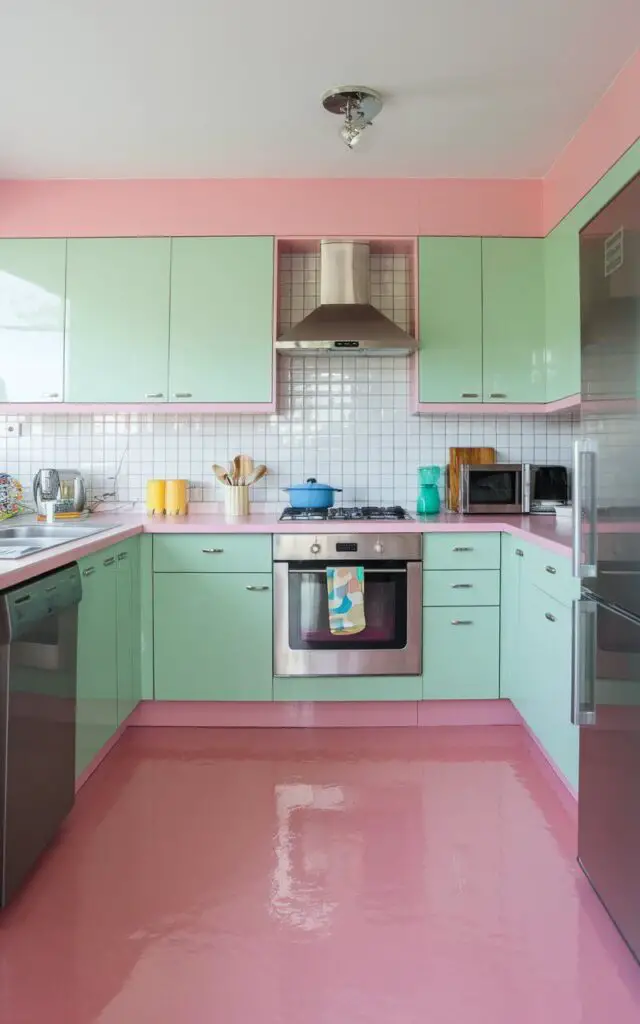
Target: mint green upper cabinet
{"x":117,"y":335}
{"x":32,"y":288}
{"x":97,"y":701}
{"x":562,"y":295}
{"x":212,"y":636}
{"x":221,"y":320}
{"x":450,"y":290}
{"x":513,"y":318}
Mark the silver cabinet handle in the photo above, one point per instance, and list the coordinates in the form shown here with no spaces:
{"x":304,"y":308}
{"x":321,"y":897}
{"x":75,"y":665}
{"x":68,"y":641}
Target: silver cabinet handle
{"x":213,"y":551}
{"x":182,"y":394}
{"x":549,"y":616}
{"x":583,"y":667}
{"x":90,"y":571}
{"x":462,"y":622}
{"x":550,"y":569}
{"x":469,"y":394}
{"x":585,"y":506}
{"x":122,"y":555}
{"x":109,"y":561}
{"x":497,"y":394}
{"x":154,"y":394}
{"x":519,"y":552}
{"x":463,"y":549}
{"x":461,"y":586}
{"x":256,"y":588}
{"x":50,"y":394}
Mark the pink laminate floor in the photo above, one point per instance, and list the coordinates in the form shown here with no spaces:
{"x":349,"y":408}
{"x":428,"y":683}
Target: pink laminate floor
{"x":404,"y":876}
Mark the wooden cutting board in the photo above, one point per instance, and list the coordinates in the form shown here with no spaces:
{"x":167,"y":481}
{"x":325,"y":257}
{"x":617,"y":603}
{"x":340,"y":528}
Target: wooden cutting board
{"x":460,"y":457}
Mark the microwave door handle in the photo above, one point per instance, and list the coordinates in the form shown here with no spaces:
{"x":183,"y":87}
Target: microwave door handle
{"x":585,"y":509}
{"x":463,"y":490}
{"x":525,"y":496}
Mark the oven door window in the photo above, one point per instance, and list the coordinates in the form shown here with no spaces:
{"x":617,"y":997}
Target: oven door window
{"x":385,"y":604}
{"x":494,"y":488}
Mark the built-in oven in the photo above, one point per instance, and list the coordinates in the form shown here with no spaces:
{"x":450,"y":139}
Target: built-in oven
{"x":500,"y":487}
{"x":390,"y":643}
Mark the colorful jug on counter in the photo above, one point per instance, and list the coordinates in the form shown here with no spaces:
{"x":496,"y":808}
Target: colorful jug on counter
{"x":428,"y":497}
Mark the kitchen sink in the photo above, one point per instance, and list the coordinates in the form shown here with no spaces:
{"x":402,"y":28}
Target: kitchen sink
{"x":29,"y":539}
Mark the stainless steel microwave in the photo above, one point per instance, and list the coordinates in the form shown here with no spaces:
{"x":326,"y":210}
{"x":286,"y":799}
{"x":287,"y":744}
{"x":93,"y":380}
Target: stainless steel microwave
{"x":500,"y":487}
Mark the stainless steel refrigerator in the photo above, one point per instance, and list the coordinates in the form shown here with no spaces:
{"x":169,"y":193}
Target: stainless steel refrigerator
{"x":606,"y":553}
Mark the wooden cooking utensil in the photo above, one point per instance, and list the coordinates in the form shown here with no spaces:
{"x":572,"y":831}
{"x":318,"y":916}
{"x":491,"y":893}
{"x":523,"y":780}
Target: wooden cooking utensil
{"x":464,"y":456}
{"x":258,"y":473}
{"x":246,"y":468}
{"x":221,"y":474}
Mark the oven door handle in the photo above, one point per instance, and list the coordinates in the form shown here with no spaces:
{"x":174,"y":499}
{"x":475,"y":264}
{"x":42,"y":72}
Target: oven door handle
{"x":316,"y":572}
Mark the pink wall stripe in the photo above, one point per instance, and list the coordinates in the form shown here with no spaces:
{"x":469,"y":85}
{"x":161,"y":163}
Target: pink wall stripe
{"x":610,"y":129}
{"x":297,"y":207}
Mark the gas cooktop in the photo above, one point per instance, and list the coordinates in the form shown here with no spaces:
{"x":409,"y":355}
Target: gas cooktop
{"x":366,"y":512}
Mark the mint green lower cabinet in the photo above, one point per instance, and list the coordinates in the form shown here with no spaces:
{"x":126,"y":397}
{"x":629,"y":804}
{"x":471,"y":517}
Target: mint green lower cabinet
{"x":543,"y":696}
{"x":128,"y":627}
{"x":460,"y":653}
{"x":348,"y":688}
{"x":97,"y":694}
{"x":457,"y":586}
{"x":513,"y":556}
{"x":212,"y":636}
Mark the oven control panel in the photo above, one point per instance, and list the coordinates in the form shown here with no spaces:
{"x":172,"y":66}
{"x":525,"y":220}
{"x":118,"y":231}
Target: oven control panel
{"x":345,"y":547}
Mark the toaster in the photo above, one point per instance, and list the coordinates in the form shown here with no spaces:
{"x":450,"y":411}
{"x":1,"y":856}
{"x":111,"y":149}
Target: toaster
{"x":71,"y":496}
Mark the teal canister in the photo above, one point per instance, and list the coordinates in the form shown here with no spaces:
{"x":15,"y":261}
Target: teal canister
{"x":428,"y":496}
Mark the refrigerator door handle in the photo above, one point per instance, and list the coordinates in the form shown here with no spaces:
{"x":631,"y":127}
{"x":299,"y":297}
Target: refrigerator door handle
{"x":583,"y":670}
{"x":585,"y":508}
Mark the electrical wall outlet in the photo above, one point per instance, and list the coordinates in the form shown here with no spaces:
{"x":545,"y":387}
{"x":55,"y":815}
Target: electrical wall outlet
{"x":11,"y":428}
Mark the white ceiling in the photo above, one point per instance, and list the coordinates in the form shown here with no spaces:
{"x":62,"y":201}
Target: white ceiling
{"x":217,"y":88}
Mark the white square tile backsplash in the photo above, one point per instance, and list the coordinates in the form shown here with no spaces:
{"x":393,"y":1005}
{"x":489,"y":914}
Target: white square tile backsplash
{"x":345,"y":421}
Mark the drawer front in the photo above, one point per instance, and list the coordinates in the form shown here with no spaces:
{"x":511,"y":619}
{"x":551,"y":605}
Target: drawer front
{"x":212,"y":552}
{"x":552,"y":573}
{"x":460,"y":653}
{"x":462,"y":551}
{"x":442,"y":587}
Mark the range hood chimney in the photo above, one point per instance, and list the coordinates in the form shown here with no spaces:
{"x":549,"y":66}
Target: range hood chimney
{"x":345,"y":323}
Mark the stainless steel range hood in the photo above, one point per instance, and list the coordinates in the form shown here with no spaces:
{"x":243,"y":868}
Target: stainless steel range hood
{"x":345,"y":323}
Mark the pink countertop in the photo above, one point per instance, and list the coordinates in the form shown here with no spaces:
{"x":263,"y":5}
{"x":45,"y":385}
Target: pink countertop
{"x":542,"y":530}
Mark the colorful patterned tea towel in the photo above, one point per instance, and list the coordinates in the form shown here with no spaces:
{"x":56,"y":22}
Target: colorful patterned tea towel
{"x":345,"y":586}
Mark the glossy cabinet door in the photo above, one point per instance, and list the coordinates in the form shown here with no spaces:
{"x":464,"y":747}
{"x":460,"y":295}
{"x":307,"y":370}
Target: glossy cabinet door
{"x":460,"y":653}
{"x":212,"y":636}
{"x":450,"y":290}
{"x":32,"y":291}
{"x":511,"y":657}
{"x":117,"y":333}
{"x":513,"y":320}
{"x":544,"y":699}
{"x":221,"y":320}
{"x":97,"y":702}
{"x":126,"y":639}
{"x":562,"y":311}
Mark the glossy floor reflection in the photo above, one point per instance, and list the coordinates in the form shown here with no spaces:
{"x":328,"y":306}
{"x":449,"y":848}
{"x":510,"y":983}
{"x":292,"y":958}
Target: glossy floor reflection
{"x":315,"y":877}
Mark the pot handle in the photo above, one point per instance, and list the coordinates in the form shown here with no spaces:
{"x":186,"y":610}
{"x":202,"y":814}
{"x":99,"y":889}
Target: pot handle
{"x":311,"y":480}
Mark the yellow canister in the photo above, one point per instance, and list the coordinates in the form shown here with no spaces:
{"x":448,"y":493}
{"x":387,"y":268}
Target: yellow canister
{"x":156,"y":490}
{"x":176,"y":497}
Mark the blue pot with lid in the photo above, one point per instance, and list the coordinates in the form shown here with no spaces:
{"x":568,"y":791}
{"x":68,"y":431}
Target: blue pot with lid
{"x":311,"y":494}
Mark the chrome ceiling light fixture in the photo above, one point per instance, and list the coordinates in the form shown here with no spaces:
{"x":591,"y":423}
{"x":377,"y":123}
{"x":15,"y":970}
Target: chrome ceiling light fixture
{"x":357,"y":105}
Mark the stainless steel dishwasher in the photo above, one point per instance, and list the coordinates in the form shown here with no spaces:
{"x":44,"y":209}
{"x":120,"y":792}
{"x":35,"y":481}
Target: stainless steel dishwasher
{"x":38,"y":654}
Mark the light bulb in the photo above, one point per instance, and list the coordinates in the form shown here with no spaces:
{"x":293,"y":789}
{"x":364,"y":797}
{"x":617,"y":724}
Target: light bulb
{"x":350,"y":135}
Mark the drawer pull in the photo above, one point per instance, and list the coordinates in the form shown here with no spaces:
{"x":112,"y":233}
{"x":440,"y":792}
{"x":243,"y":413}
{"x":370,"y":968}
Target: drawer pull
{"x":109,"y":561}
{"x":497,"y":394}
{"x":256,"y":588}
{"x":463,"y":549}
{"x":551,"y":569}
{"x":462,"y":622}
{"x":549,"y":616}
{"x":122,"y":556}
{"x":90,"y":571}
{"x":213,"y":551}
{"x":154,"y":394}
{"x":519,"y":552}
{"x":182,"y":394}
{"x":461,"y":586}
{"x":50,"y":394}
{"x":469,"y":394}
